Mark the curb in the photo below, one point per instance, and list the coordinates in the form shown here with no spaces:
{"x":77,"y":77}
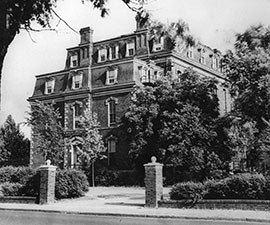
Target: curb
{"x":140,"y":215}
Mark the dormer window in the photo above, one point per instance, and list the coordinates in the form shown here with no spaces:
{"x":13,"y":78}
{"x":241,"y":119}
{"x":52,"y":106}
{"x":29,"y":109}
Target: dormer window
{"x":114,"y":52}
{"x":77,"y":81}
{"x":102,"y":55}
{"x":158,"y":44}
{"x":74,"y":61}
{"x":49,"y":86}
{"x":130,"y":49}
{"x":111,"y":76}
{"x":190,"y":51}
{"x":202,"y":56}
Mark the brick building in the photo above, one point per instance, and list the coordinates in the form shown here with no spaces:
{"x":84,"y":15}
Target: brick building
{"x":105,"y":72}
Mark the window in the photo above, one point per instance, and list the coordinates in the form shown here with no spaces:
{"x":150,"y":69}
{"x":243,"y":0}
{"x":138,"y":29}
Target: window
{"x":143,"y":40}
{"x":111,"y":104}
{"x":111,"y":146}
{"x":149,"y":75}
{"x":74,"y":61}
{"x":190,"y":51}
{"x":202,"y":56}
{"x":111,"y":76}
{"x":49,"y":86}
{"x":77,"y":112}
{"x":77,"y":81}
{"x":114,"y":52}
{"x":130,"y":49}
{"x":158,"y":44}
{"x":102,"y":55}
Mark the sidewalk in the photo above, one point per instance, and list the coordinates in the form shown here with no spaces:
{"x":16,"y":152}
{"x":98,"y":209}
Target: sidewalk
{"x":124,"y":201}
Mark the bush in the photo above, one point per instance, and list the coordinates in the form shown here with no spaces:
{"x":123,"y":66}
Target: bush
{"x":241,"y":186}
{"x":216,"y":189}
{"x":70,"y":184}
{"x":188,"y":190}
{"x":117,"y":178}
{"x":11,"y":189}
{"x":246,"y":186}
{"x":15,"y":174}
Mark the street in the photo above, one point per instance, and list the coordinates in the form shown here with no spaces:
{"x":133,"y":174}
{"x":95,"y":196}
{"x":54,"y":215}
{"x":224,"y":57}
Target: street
{"x":42,"y":218}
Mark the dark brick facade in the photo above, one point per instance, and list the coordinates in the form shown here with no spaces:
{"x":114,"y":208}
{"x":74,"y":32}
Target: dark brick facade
{"x":106,"y":71}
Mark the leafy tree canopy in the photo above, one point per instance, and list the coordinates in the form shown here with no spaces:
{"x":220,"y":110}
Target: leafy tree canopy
{"x":48,"y":133}
{"x":175,"y":120}
{"x":14,"y":147}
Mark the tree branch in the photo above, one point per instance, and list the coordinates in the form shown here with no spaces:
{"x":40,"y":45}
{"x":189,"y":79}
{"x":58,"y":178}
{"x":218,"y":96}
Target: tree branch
{"x":61,"y":19}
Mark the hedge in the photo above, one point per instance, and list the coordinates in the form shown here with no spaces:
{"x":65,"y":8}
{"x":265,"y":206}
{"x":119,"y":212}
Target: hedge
{"x":242,"y":186}
{"x":24,"y":181}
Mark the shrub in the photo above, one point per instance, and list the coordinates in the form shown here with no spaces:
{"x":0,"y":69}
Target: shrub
{"x":6,"y":173}
{"x":117,"y":178}
{"x":15,"y":174}
{"x":70,"y":184}
{"x":246,"y":186}
{"x":187,"y":190}
{"x":11,"y":189}
{"x":216,"y":189}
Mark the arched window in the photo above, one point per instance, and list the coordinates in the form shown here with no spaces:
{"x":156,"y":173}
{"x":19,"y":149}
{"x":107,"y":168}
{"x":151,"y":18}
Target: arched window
{"x":77,"y":112}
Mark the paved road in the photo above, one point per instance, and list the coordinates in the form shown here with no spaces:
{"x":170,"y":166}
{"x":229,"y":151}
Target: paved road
{"x":41,"y":218}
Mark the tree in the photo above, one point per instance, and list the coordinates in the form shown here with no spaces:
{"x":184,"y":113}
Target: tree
{"x":15,"y":148}
{"x":248,"y":72}
{"x":20,"y":14}
{"x":93,"y":146}
{"x":47,"y":132}
{"x":174,"y":120}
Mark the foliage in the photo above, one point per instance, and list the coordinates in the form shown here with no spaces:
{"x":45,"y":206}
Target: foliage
{"x":248,"y":72}
{"x":48,"y":133}
{"x":188,"y":190}
{"x":11,"y":189}
{"x":15,"y":148}
{"x":240,"y":186}
{"x":174,"y":120}
{"x":70,"y":184}
{"x":116,"y":178}
{"x":175,"y":34}
{"x":93,"y":147}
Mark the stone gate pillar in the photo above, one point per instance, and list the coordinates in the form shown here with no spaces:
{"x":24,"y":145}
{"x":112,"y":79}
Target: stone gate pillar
{"x":47,"y":183}
{"x":153,"y":183}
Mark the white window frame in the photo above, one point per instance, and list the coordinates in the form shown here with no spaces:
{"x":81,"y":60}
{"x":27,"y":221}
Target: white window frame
{"x":49,"y":84}
{"x":107,"y":103}
{"x":116,"y":52}
{"x":77,"y":79}
{"x":158,"y":44}
{"x":74,"y":58}
{"x":111,"y":76}
{"x":102,"y":53}
{"x":76,"y":118}
{"x":190,"y":51}
{"x":202,"y":56}
{"x":130,"y":46}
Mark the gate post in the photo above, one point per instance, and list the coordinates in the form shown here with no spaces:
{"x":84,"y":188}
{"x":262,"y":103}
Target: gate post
{"x":153,"y":183}
{"x":47,"y":183}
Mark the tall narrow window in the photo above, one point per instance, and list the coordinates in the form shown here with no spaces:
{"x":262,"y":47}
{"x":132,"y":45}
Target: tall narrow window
{"x":102,"y":55}
{"x":190,"y":51}
{"x":77,"y":112}
{"x":111,"y":105}
{"x":111,"y":146}
{"x":114,"y":52}
{"x":202,"y":56}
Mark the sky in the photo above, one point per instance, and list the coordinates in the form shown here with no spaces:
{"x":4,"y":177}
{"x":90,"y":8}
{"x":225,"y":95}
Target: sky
{"x":213,"y":22}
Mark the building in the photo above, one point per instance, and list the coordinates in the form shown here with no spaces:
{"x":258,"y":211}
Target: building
{"x":105,"y":72}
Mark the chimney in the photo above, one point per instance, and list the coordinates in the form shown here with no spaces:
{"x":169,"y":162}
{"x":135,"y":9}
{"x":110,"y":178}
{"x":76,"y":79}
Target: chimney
{"x":86,"y":35}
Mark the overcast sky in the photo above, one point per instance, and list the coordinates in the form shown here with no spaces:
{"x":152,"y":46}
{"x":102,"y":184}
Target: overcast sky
{"x":213,"y":22}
